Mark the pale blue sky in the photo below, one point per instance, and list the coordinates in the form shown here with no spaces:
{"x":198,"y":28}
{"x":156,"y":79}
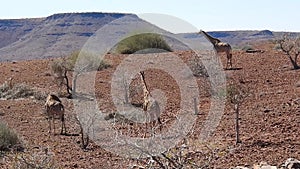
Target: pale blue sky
{"x":208,"y":15}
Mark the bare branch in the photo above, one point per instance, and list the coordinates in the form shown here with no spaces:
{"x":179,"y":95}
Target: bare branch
{"x":175,"y":163}
{"x":291,"y":47}
{"x":158,"y":162}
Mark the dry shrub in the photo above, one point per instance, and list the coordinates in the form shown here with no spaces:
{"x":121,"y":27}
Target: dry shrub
{"x":8,"y":138}
{"x":15,"y":92}
{"x":21,"y":90}
{"x":39,"y":159}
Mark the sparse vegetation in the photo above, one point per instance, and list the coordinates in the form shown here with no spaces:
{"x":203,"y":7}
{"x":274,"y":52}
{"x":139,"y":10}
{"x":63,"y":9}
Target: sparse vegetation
{"x":40,"y":159}
{"x":8,"y":138}
{"x":40,"y":96}
{"x":290,"y":45}
{"x":16,"y":91}
{"x":148,"y":43}
{"x":247,"y":47}
{"x":197,"y":66}
{"x":61,"y":68}
{"x":264,"y":130}
{"x":184,"y":155}
{"x":91,"y":61}
{"x":236,"y":94}
{"x":86,"y":126}
{"x":103,"y":65}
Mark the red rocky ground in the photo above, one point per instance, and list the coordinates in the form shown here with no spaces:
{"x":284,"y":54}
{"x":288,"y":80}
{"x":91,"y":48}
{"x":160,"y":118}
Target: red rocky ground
{"x":270,"y":115}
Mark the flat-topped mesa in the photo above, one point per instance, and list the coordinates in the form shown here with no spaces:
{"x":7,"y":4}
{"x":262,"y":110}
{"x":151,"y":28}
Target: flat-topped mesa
{"x":54,"y":36}
{"x":88,"y":14}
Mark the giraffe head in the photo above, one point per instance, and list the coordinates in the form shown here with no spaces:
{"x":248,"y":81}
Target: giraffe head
{"x":213,"y":40}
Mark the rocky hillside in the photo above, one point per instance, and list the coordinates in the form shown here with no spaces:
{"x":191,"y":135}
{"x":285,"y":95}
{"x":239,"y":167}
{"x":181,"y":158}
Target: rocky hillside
{"x":53,"y":36}
{"x":61,"y":34}
{"x":12,"y":30}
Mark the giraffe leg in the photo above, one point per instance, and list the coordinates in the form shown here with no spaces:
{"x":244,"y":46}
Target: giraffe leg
{"x":229,"y":60}
{"x":49,"y":122}
{"x":228,"y":64}
{"x":160,"y":123}
{"x":63,"y":126}
{"x":145,"y":134}
{"x":53,"y":125}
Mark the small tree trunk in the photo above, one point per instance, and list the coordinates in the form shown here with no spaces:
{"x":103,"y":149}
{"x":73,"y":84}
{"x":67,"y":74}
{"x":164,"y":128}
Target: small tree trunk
{"x":69,"y":89}
{"x":85,"y":140}
{"x":84,"y":137}
{"x":126,"y":97}
{"x":237,"y":119}
{"x":196,"y":106}
{"x":294,"y":62}
{"x":74,"y":82}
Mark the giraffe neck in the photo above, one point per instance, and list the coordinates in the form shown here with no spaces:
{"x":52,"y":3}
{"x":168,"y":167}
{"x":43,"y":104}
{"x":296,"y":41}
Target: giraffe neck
{"x":145,"y":88}
{"x":146,"y":92}
{"x":212,"y":40}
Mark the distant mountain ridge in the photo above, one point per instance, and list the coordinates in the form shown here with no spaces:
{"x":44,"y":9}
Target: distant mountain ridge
{"x":52,"y":36}
{"x":240,"y":38}
{"x":13,"y":29}
{"x":60,"y":34}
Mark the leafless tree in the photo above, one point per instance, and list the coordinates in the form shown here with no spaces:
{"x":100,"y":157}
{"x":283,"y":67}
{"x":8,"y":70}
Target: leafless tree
{"x":237,"y":94}
{"x":182,"y":155}
{"x":60,"y":69}
{"x":86,"y":127}
{"x":290,"y":45}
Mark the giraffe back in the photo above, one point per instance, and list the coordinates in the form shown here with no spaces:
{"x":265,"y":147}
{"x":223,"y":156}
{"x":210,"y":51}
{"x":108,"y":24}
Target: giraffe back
{"x":222,"y":47}
{"x":54,"y":107}
{"x":56,"y":110}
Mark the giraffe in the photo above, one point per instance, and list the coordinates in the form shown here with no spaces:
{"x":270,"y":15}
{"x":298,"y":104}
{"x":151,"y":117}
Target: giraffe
{"x":220,"y":47}
{"x":54,"y":109}
{"x":150,"y":105}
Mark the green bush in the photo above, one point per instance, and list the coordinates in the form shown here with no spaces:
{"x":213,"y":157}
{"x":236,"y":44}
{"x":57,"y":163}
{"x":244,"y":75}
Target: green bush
{"x":103,"y":65}
{"x":8,"y":138}
{"x":247,"y":47}
{"x":148,"y":43}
